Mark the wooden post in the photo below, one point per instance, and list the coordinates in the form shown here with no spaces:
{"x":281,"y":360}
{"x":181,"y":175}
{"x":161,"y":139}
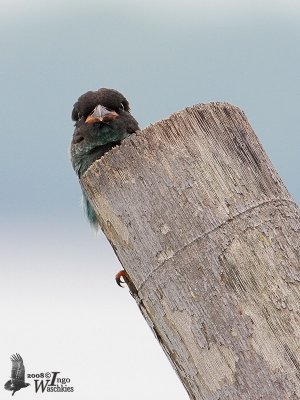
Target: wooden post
{"x":209,"y":236}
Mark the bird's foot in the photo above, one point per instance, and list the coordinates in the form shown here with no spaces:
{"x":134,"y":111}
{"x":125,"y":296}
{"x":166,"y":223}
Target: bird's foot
{"x":122,"y":277}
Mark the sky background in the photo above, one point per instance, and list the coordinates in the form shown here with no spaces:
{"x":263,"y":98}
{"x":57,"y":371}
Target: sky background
{"x":60,"y":307}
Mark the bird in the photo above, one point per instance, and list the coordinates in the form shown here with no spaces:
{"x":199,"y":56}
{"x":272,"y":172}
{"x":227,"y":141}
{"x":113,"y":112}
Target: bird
{"x":102,"y":120}
{"x":17,"y":380}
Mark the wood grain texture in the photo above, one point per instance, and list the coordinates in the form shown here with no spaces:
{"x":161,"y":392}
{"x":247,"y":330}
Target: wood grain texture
{"x":209,"y":236}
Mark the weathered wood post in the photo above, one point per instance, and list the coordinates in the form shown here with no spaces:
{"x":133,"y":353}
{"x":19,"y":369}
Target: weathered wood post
{"x":209,"y":236}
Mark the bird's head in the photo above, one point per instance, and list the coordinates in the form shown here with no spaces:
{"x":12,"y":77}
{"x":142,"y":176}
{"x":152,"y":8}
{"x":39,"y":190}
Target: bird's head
{"x":102,"y":119}
{"x":111,"y":102}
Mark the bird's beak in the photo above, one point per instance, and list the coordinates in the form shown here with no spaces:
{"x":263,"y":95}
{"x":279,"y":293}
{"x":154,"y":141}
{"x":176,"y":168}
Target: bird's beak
{"x":101,"y":114}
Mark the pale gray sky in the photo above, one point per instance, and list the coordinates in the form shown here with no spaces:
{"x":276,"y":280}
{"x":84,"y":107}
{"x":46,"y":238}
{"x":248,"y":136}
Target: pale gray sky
{"x":61,"y":308}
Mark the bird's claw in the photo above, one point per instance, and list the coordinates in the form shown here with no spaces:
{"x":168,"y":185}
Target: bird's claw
{"x":122,"y":275}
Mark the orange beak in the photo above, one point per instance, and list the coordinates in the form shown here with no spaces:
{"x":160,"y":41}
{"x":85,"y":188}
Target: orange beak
{"x":101,"y":114}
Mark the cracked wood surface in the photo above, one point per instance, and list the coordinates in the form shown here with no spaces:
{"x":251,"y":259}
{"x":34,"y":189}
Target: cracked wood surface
{"x":209,"y":236}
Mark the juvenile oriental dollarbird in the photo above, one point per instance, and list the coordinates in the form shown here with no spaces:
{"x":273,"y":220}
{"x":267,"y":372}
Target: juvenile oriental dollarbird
{"x":102,"y":120}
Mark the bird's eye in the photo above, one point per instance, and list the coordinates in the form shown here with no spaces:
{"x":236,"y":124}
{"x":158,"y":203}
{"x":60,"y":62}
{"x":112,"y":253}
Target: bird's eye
{"x":122,"y":106}
{"x":78,"y":115}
